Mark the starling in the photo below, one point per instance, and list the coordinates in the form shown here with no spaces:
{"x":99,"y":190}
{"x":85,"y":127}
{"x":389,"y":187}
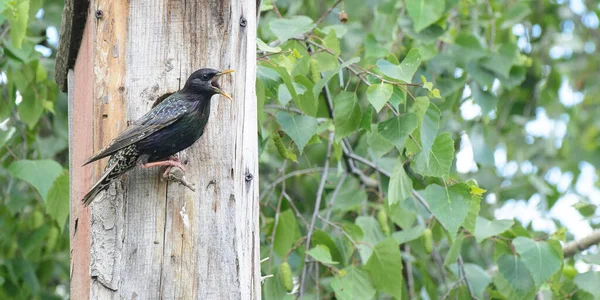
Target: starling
{"x":172,"y":125}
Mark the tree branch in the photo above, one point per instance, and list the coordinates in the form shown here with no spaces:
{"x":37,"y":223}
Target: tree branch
{"x":461,"y":265}
{"x":315,"y":214}
{"x":322,"y":18}
{"x":579,"y":245}
{"x":289,"y":175}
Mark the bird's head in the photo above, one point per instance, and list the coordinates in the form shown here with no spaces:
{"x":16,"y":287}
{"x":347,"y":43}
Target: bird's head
{"x":206,"y":81}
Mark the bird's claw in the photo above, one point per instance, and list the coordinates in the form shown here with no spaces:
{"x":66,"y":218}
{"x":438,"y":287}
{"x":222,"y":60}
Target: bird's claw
{"x":177,"y":174}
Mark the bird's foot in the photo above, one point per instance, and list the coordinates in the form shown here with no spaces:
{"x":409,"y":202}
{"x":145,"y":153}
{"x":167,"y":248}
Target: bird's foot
{"x":178,"y":175}
{"x":169,"y":163}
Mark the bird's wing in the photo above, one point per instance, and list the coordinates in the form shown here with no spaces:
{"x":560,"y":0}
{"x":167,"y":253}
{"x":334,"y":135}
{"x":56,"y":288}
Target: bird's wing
{"x":161,"y":116}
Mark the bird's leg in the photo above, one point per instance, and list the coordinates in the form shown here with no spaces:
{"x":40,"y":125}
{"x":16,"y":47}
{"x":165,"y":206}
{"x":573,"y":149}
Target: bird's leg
{"x":169,"y":163}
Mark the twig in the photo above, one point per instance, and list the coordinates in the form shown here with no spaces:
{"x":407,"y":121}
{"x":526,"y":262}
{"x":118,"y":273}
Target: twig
{"x":438,"y":261}
{"x":409,"y":274}
{"x":457,"y":284}
{"x":492,"y":24}
{"x":370,"y":164}
{"x":355,"y":244}
{"x":279,"y":107}
{"x":311,"y":227}
{"x":294,"y":208}
{"x":332,"y":200}
{"x":464,"y":274}
{"x":289,"y":175}
{"x":177,"y":175}
{"x":276,"y":9}
{"x":579,"y":245}
{"x":322,"y":18}
{"x":277,"y":211}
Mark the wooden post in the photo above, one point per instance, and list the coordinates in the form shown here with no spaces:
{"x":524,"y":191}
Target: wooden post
{"x":145,"y":238}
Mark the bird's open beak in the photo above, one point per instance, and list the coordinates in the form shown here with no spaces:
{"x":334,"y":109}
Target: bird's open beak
{"x":216,"y":85}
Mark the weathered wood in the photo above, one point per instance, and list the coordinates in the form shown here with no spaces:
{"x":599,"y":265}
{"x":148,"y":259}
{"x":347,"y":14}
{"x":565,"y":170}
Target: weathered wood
{"x":71,"y":33}
{"x":156,"y":240}
{"x":80,"y":147}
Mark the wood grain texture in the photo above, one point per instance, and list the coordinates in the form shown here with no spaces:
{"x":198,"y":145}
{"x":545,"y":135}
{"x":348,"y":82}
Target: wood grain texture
{"x":81,"y":84}
{"x":156,"y":240}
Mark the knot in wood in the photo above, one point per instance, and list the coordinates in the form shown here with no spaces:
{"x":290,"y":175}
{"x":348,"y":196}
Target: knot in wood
{"x":243,"y":22}
{"x":249,"y":177}
{"x":99,"y":14}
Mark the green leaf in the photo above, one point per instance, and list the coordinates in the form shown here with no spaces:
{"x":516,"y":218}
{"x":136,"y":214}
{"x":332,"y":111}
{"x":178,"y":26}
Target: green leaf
{"x":420,"y":107}
{"x":299,"y":128}
{"x":306,"y":101}
{"x":408,"y":235}
{"x":470,"y":221}
{"x":39,"y":173}
{"x":514,"y":15}
{"x":485,"y":228}
{"x":332,"y":43}
{"x":320,"y":237}
{"x":486,"y":100}
{"x":588,"y":282}
{"x":540,"y":258}
{"x":18,"y":16}
{"x":406,"y":70}
{"x":372,"y":235}
{"x":396,"y":129}
{"x":379,"y":94}
{"x":286,"y":234}
{"x":365,"y":121}
{"x":5,"y":136}
{"x":285,"y":29}
{"x":264,"y":47}
{"x":57,"y":204}
{"x":347,"y":114}
{"x":438,"y":161}
{"x":378,"y":145}
{"x":424,"y":12}
{"x":283,"y":95}
{"x":385,"y":267}
{"x":449,"y":206}
{"x":325,"y":62}
{"x":483,"y":153}
{"x":454,"y":250}
{"x":400,"y":186}
{"x":353,"y":283}
{"x":429,"y":127}
{"x":514,"y":271}
{"x":328,"y":75}
{"x":349,"y":197}
{"x":30,"y":109}
{"x":477,"y":277}
{"x":321,"y":254}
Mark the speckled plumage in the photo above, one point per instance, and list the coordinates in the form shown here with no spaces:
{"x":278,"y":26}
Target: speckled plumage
{"x":171,"y":126}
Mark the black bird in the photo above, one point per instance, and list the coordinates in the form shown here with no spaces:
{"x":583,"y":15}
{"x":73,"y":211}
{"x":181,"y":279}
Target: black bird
{"x":172,"y":125}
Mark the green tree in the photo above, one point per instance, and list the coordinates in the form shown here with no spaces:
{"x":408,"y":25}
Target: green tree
{"x":34,"y":181}
{"x":397,"y":136}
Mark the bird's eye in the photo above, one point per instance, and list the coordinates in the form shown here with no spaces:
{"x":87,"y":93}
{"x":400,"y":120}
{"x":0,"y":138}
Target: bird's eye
{"x":205,"y":77}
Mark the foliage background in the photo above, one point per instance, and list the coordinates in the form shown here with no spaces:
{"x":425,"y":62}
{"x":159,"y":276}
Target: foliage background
{"x":496,"y":135}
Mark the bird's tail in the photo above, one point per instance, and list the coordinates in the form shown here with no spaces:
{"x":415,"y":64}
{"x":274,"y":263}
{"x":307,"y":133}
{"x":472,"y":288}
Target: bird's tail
{"x":110,"y":173}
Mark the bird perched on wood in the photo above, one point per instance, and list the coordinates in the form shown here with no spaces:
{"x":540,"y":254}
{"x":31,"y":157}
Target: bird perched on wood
{"x":172,"y":125}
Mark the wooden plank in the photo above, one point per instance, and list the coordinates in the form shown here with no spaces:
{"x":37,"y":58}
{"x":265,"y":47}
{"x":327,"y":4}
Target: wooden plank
{"x":150,"y":239}
{"x":80,"y":147}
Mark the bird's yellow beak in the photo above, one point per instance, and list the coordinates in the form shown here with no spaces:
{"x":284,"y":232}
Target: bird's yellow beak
{"x":217,"y":87}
